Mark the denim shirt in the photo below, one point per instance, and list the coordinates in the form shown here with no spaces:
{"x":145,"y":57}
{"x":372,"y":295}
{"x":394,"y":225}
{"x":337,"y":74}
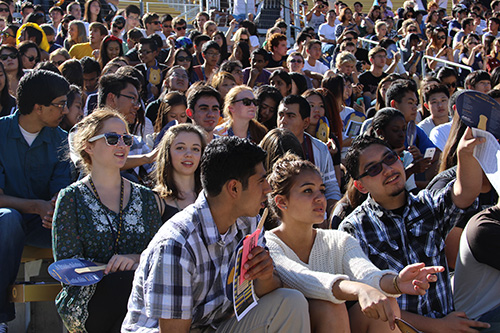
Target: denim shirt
{"x":33,"y":172}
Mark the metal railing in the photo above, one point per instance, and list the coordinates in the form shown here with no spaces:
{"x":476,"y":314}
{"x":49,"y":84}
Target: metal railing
{"x":447,"y":62}
{"x":368,"y":40}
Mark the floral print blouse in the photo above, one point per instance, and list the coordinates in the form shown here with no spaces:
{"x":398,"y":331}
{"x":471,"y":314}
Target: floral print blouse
{"x":81,"y":230}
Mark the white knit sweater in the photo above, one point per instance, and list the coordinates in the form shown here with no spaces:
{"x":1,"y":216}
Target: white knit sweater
{"x":335,"y":255}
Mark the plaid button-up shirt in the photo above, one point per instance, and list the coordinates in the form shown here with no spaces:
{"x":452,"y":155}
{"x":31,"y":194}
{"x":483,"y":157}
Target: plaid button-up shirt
{"x":183,"y":272}
{"x":393,"y":242}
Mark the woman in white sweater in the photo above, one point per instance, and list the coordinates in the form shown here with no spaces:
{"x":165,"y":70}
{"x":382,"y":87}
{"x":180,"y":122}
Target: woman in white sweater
{"x":328,"y":266}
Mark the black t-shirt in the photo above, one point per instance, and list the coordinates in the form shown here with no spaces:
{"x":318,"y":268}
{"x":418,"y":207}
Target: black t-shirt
{"x":273,"y":63}
{"x":483,"y":234}
{"x":370,"y":82}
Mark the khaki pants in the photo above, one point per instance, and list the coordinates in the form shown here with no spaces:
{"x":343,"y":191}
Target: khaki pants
{"x":283,"y":310}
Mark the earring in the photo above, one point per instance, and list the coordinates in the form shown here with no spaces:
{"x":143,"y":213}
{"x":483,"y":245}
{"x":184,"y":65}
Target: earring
{"x":284,"y":207}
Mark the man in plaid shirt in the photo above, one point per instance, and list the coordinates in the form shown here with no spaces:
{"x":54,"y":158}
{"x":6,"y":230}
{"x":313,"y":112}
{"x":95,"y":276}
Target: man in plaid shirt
{"x":180,"y":283}
{"x":396,"y":228}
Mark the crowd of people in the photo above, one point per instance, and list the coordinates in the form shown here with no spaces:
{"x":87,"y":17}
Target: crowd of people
{"x":130,"y":141}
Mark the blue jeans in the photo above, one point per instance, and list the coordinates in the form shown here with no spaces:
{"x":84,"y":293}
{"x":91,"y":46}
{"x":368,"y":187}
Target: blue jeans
{"x":16,"y":230}
{"x":493,"y":318}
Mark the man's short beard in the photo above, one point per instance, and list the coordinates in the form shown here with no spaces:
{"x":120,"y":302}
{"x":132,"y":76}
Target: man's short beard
{"x":397,"y":192}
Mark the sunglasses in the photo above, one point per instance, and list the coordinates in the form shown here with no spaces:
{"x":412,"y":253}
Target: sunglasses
{"x":377,"y":168}
{"x":182,"y":59}
{"x":413,"y":31}
{"x":296,"y":61}
{"x":113,"y":138}
{"x":180,"y":28}
{"x":31,"y":59}
{"x":118,"y":27}
{"x":441,"y":37}
{"x":167,"y":26}
{"x":6,"y":10}
{"x":7,"y":56}
{"x":451,"y":85}
{"x":247,"y":101}
{"x":155,"y":22}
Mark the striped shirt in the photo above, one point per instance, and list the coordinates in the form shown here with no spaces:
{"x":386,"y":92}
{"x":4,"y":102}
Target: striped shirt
{"x":183,"y":272}
{"x":392,"y":242}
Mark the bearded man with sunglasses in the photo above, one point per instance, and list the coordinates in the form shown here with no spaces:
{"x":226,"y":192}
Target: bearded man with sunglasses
{"x":395,"y":227}
{"x":33,"y":168}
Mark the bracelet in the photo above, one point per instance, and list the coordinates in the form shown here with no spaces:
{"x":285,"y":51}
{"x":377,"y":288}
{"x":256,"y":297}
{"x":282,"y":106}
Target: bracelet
{"x":395,"y":284}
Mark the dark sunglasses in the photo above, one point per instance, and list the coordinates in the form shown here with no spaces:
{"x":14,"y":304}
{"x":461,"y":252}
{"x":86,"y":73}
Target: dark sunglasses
{"x":180,"y":28}
{"x":296,"y":60}
{"x":118,"y":27}
{"x":182,"y":59}
{"x":32,"y":58}
{"x":377,"y":168}
{"x":155,"y":22}
{"x":7,"y":56}
{"x":167,"y":26}
{"x":451,"y":85}
{"x":247,"y":101}
{"x":6,"y":10}
{"x":113,"y":138}
{"x":441,"y":37}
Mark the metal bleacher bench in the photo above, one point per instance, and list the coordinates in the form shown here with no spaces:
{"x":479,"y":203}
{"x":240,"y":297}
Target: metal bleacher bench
{"x":28,"y":291}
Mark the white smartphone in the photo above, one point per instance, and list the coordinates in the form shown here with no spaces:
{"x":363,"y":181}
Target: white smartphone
{"x":429,"y":153}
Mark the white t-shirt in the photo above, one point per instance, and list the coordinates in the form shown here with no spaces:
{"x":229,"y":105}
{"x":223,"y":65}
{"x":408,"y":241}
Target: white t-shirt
{"x":319,"y":67}
{"x":244,"y":7}
{"x":327,"y":31}
{"x":439,"y":135}
{"x":29,"y":137}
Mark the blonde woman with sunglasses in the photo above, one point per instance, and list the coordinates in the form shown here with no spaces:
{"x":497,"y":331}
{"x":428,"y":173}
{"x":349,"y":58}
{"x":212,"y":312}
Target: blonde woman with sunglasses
{"x":105,"y":219}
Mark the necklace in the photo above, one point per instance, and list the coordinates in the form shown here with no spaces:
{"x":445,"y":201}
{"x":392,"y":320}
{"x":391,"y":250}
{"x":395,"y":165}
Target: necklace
{"x":116,"y":234}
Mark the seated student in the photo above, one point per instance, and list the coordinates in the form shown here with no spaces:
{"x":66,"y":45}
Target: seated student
{"x":476,"y":288}
{"x":328,"y":266}
{"x":439,"y":134}
{"x":294,"y":113}
{"x":396,"y":228}
{"x":326,"y":32}
{"x":196,"y":247}
{"x":203,"y":108}
{"x":240,"y":108}
{"x":256,"y":75}
{"x":178,"y":167}
{"x":211,"y":55}
{"x":102,"y":218}
{"x":97,"y":32}
{"x":479,"y":81}
{"x":276,"y":45}
{"x":151,"y":69}
{"x":31,"y":142}
{"x":371,"y":78}
{"x":314,"y":68}
{"x":267,"y":110}
{"x":436,"y":98}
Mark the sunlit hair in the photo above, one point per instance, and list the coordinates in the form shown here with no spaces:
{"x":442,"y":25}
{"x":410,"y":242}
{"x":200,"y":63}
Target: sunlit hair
{"x":219,"y":78}
{"x":164,"y":175}
{"x":89,"y":127}
{"x":82,"y":32}
{"x":277,"y":143}
{"x":282,"y":178}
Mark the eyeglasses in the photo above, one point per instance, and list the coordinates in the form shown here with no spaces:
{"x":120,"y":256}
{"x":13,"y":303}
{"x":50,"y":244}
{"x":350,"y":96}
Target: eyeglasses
{"x":145,"y":52}
{"x":245,"y":40}
{"x":113,"y":138}
{"x":134,"y":100}
{"x":348,"y":39}
{"x":182,"y":59}
{"x":412,"y":30}
{"x":441,"y":37}
{"x":155,"y":22}
{"x":247,"y":101}
{"x":167,"y":26}
{"x":118,"y":27}
{"x":7,"y":56}
{"x":32,"y":58}
{"x":180,"y":28}
{"x":6,"y":10}
{"x":210,"y":54}
{"x":299,"y":61}
{"x":60,"y":105}
{"x":377,"y":168}
{"x":451,"y":85}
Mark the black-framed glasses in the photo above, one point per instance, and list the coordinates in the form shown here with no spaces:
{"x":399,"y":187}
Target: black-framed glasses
{"x":7,"y":56}
{"x":180,"y":28}
{"x":182,"y":59}
{"x":247,"y":101}
{"x":134,"y":100}
{"x":451,"y":85}
{"x":210,"y":54}
{"x":299,"y":61}
{"x":32,"y":58}
{"x":118,"y":27}
{"x":155,"y":22}
{"x":377,"y":168}
{"x":60,"y":105}
{"x":441,"y":37}
{"x":112,"y":139}
{"x":145,"y":52}
{"x":5,"y":10}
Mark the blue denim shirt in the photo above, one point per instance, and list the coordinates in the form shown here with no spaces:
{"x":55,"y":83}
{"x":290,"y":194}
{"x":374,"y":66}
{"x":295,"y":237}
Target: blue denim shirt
{"x":36,"y":172}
